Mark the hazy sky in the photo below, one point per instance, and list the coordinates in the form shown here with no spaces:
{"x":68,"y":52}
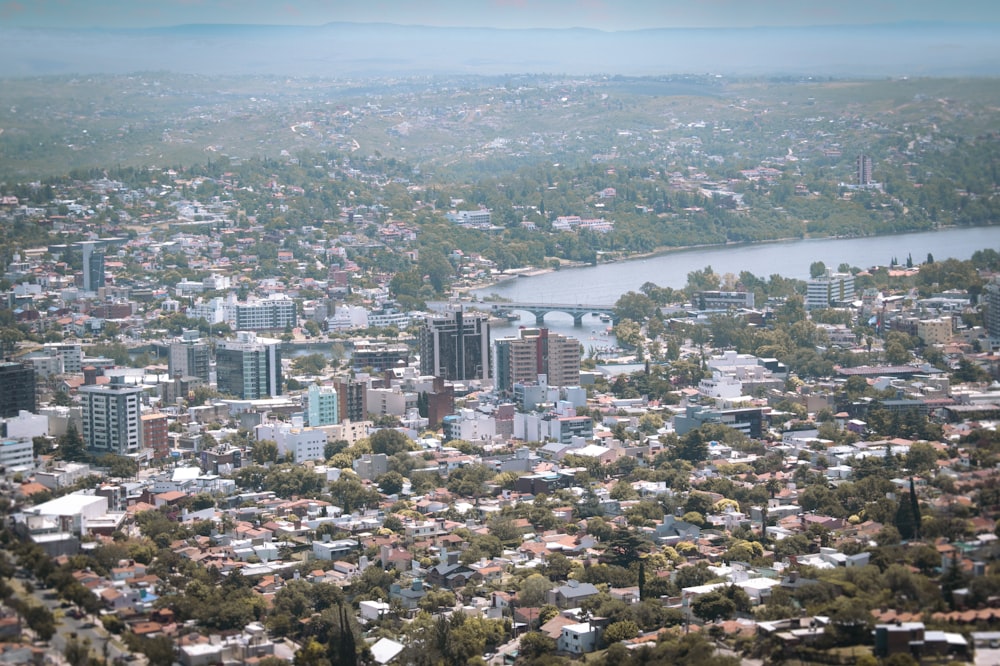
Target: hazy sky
{"x":599,"y":14}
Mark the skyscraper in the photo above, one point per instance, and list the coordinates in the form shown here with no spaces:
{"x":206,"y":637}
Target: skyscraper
{"x":93,"y":265}
{"x":456,"y":346}
{"x":190,"y":356}
{"x":249,"y":367}
{"x":17,"y":388}
{"x":533,"y":352}
{"x":863,"y":167}
{"x":322,"y":406}
{"x":992,"y":295}
{"x":111,"y":422}
{"x":352,"y":399}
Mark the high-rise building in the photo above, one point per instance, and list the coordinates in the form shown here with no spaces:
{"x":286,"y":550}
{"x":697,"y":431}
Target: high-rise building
{"x":111,"y":420}
{"x":322,"y":406}
{"x":352,"y":397}
{"x":154,"y":435}
{"x":533,"y":352}
{"x":456,"y":346}
{"x":190,"y":356}
{"x":272,"y":313}
{"x":93,"y":265}
{"x":863,"y":168}
{"x":17,"y":388}
{"x":829,"y":289}
{"x":992,"y":293}
{"x":248,"y":367}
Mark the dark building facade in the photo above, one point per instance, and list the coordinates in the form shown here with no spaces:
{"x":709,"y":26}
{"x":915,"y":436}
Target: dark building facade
{"x":456,"y":346}
{"x":17,"y":388}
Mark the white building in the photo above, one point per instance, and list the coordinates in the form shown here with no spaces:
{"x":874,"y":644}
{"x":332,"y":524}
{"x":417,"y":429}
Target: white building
{"x":580,"y":638}
{"x":68,"y":513}
{"x":111,"y":421}
{"x":17,"y":455}
{"x":322,"y":405}
{"x":295,"y":441}
{"x":27,"y":425}
{"x":829,"y":289}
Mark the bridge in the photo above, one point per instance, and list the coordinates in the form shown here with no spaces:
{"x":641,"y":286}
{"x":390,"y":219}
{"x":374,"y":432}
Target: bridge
{"x":577,"y":311}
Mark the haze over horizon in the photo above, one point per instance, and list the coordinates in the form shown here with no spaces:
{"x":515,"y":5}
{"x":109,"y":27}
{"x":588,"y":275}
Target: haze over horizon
{"x":356,"y":38}
{"x":510,"y":14}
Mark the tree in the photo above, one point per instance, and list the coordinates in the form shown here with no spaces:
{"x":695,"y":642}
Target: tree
{"x":713,"y":606}
{"x":817,"y":269}
{"x":536,"y":644}
{"x":71,"y":446}
{"x":390,"y":442}
{"x":391,"y":483}
{"x":625,"y":547}
{"x":121,"y":467}
{"x":310,"y":364}
{"x":532,"y":590}
{"x":692,"y":447}
{"x":635,"y":306}
{"x":264,"y":451}
{"x":621,"y":631}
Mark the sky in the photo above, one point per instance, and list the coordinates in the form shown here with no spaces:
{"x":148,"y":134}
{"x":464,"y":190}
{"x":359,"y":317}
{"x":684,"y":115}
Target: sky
{"x":610,"y":15}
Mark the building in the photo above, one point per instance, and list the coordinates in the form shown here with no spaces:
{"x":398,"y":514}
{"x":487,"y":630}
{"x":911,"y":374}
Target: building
{"x":724,"y":300}
{"x":295,"y":442}
{"x":863,"y":170}
{"x":248,"y":367}
{"x":154,"y":435}
{"x":992,"y":293}
{"x":748,"y":420}
{"x":17,"y":388}
{"x":829,"y":290}
{"x":276,"y":312}
{"x":371,"y":466}
{"x":17,"y":455}
{"x":93,"y":265}
{"x":71,"y":356}
{"x":322,"y":406}
{"x":472,"y":219}
{"x":456,"y":346}
{"x":190,"y":356}
{"x":111,"y":422}
{"x":934,"y":331}
{"x":379,"y":355}
{"x":533,"y":352}
{"x":352,"y":396}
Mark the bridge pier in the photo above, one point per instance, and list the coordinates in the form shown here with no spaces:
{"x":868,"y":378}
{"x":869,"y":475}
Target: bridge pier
{"x":578,"y":320}
{"x":539,"y":318}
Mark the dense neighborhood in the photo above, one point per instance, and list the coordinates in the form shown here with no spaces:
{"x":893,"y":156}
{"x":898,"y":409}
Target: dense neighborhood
{"x":259,"y":406}
{"x":231,"y":440}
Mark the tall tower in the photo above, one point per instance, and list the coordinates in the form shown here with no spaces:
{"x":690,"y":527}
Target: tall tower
{"x":533,"y":352}
{"x":863,"y":167}
{"x":322,"y":407}
{"x":249,"y":367}
{"x":17,"y":388}
{"x":93,"y":265}
{"x":111,"y":422}
{"x":190,"y":356}
{"x":993,"y":309}
{"x":456,"y":346}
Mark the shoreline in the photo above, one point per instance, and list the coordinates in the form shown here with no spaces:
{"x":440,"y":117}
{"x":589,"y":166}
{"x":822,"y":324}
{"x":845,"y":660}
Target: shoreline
{"x":530,"y":271}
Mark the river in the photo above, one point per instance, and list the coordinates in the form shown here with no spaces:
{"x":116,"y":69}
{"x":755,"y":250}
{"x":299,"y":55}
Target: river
{"x":605,"y":283}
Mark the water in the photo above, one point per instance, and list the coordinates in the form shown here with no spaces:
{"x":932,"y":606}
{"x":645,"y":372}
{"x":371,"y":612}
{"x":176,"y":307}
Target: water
{"x":605,"y":283}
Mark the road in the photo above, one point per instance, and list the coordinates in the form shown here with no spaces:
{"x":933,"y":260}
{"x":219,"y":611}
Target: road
{"x":87,"y":628}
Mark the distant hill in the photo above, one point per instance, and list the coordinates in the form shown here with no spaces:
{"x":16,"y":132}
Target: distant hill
{"x":373,"y":49}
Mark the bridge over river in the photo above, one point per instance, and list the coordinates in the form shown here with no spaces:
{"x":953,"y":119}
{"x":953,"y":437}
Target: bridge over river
{"x":502,"y":308}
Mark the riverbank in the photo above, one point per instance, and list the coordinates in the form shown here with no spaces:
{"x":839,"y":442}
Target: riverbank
{"x":605,"y":282}
{"x":730,"y":246}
